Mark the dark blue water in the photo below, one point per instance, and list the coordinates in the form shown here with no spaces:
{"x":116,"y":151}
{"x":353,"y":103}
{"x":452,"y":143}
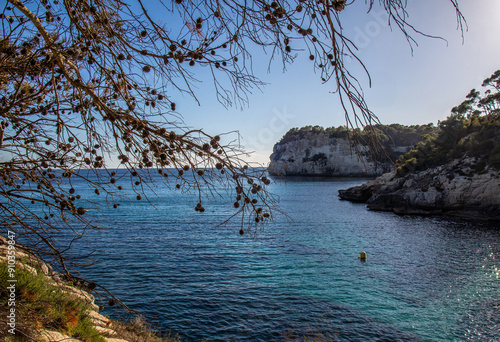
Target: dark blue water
{"x":425,"y":279}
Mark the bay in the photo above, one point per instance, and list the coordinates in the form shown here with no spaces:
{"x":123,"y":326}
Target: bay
{"x":425,"y":279}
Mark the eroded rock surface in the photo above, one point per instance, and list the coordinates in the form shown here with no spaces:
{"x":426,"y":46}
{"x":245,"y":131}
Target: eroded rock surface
{"x":454,"y":189}
{"x":317,"y":154}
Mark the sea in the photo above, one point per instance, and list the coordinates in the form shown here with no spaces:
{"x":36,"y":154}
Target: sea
{"x":297,"y":277}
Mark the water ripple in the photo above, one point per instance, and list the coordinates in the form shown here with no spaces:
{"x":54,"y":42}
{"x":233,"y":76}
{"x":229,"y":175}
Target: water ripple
{"x":425,"y":279}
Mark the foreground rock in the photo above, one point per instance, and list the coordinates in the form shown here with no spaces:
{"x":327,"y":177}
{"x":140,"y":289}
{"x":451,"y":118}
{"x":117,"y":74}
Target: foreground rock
{"x":103,"y":328}
{"x":454,"y":189}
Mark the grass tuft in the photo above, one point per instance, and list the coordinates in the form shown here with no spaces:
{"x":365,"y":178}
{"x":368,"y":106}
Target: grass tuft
{"x":42,"y":305}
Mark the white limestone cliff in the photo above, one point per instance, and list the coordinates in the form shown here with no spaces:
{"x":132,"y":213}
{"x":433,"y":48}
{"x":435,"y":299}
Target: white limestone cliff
{"x":317,"y":154}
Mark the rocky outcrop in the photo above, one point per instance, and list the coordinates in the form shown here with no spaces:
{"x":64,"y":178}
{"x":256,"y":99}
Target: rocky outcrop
{"x":455,"y":189}
{"x":108,"y":330}
{"x":318,"y":154}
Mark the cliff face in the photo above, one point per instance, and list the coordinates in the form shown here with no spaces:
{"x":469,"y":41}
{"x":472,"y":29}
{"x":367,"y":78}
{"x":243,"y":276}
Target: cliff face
{"x":318,"y":154}
{"x":454,"y":189}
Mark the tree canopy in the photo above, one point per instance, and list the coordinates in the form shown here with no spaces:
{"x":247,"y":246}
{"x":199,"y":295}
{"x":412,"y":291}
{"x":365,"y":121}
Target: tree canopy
{"x":86,"y":81}
{"x":471,"y":131}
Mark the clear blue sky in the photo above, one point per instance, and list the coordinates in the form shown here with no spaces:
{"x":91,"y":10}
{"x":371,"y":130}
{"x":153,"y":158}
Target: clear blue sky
{"x":407,"y":89}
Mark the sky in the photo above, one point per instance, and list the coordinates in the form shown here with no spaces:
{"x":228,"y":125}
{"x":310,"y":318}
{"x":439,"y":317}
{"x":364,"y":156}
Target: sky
{"x":407,"y":87}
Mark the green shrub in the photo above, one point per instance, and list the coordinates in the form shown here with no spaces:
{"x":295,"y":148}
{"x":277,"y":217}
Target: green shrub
{"x":41,"y":305}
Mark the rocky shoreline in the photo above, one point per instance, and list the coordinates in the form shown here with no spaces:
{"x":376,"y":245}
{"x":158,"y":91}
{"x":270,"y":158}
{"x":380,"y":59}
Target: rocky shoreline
{"x":455,"y":189}
{"x":104,"y":329}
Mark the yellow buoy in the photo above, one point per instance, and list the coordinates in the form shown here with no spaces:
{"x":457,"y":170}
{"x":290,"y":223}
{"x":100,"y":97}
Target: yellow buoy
{"x":362,"y":256}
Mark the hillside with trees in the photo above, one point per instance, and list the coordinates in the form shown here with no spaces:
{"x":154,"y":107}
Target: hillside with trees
{"x":472,"y":130}
{"x":455,"y":171}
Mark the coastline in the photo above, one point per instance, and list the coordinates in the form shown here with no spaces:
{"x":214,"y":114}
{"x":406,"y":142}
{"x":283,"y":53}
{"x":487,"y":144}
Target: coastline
{"x":58,"y":309}
{"x":453,"y":190}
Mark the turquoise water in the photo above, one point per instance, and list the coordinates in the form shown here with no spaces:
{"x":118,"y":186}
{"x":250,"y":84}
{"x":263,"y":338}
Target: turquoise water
{"x":425,"y":279}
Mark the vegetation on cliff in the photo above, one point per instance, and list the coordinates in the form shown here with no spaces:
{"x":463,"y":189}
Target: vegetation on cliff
{"x":454,"y":171}
{"x":382,"y":139}
{"x":472,"y":130}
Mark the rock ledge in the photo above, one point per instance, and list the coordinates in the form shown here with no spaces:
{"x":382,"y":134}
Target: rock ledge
{"x":454,"y":189}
